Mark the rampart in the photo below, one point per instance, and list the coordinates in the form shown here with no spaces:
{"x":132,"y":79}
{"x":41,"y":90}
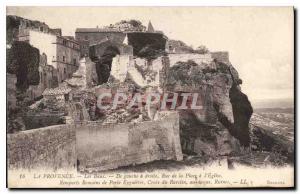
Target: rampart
{"x":49,"y":147}
{"x":112,"y":146}
{"x":95,"y":146}
{"x":222,"y":56}
{"x":184,"y":57}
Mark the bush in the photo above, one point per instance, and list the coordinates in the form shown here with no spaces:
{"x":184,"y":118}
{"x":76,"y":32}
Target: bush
{"x":135,"y":23}
{"x":201,"y":50}
{"x":23,"y":60}
{"x":150,"y":53}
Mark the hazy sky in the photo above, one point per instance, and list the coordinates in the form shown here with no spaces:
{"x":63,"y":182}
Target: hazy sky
{"x":259,"y":40}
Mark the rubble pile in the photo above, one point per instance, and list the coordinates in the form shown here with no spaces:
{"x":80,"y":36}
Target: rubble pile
{"x":123,"y":115}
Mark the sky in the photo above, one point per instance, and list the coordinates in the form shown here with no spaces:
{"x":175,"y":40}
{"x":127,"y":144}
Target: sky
{"x":260,"y":40}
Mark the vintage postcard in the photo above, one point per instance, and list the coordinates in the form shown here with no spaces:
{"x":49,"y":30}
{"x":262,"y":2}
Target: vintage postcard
{"x":150,"y":97}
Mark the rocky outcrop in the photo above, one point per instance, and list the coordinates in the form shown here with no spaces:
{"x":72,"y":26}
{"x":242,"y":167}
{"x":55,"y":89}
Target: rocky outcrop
{"x":226,"y":110}
{"x":273,"y":135}
{"x":242,"y":111}
{"x":265,"y":140}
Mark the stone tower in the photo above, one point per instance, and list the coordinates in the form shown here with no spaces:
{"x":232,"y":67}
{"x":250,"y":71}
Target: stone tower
{"x":150,"y":27}
{"x":125,"y":42}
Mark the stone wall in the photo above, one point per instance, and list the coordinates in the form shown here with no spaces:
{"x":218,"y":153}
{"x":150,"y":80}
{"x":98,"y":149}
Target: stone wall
{"x":43,"y":42}
{"x":138,"y":40}
{"x":67,"y":60}
{"x":90,"y":71}
{"x":96,"y":37}
{"x":98,"y":147}
{"x":49,"y":147}
{"x":85,"y":76}
{"x":48,"y":79}
{"x":119,"y":67}
{"x":98,"y":50}
{"x":63,"y":54}
{"x":184,"y":57}
{"x":90,"y":38}
{"x":153,"y":74}
{"x":103,"y":147}
{"x":221,"y":56}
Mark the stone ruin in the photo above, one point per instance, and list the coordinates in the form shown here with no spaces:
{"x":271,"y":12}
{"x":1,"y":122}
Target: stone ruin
{"x":108,"y":139}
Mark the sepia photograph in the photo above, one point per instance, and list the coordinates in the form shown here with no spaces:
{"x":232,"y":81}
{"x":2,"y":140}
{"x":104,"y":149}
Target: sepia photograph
{"x":150,"y":97}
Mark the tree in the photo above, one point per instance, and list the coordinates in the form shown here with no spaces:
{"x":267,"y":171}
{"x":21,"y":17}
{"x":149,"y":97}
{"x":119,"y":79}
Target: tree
{"x":23,"y":60}
{"x":201,"y":49}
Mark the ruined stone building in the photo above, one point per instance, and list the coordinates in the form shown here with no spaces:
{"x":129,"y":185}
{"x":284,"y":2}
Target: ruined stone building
{"x":150,"y":27}
{"x":138,"y":36}
{"x":48,"y":78}
{"x":62,"y":52}
{"x":59,"y":55}
{"x":117,"y":48}
{"x":37,"y":25}
{"x":15,"y":24}
{"x":85,"y":77}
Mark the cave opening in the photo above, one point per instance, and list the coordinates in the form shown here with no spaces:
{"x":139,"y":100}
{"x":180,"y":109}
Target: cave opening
{"x":103,"y":65}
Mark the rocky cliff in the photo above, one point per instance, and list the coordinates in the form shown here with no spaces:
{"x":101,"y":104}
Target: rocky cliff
{"x":222,"y":127}
{"x":226,"y":109}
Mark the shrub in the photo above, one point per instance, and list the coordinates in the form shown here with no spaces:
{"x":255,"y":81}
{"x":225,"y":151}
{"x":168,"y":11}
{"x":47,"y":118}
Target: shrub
{"x":201,"y":50}
{"x":23,"y":60}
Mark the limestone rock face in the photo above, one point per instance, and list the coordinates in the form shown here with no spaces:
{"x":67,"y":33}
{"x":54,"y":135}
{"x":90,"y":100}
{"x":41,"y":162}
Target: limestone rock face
{"x":221,"y":126}
{"x":225,"y":111}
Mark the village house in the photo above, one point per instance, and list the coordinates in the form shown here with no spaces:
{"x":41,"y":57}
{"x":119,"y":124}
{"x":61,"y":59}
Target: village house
{"x":48,"y":79}
{"x":63,"y":52}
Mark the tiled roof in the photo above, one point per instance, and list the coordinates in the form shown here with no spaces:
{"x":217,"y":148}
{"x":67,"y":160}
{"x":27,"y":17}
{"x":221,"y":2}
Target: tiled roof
{"x":97,"y":30}
{"x":56,"y":91}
